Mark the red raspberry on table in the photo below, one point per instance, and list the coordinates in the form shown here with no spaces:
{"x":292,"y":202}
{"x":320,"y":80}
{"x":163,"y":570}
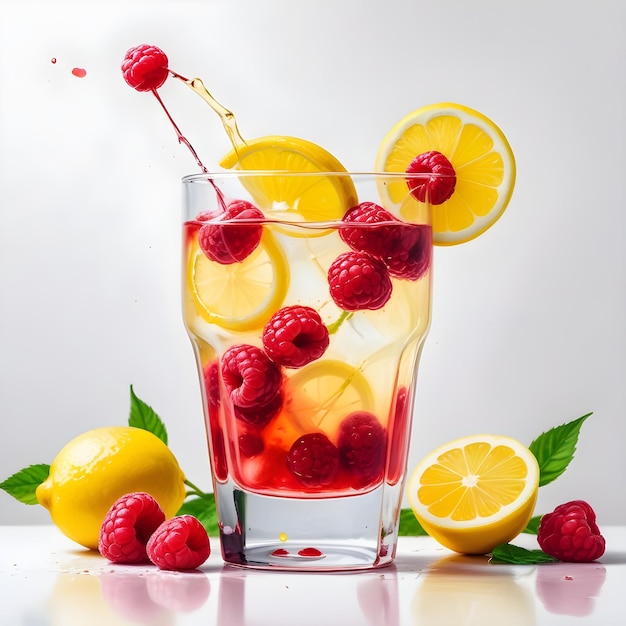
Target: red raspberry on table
{"x":570,"y":533}
{"x":359,"y":281}
{"x":250,"y":378}
{"x":437,"y":188}
{"x":227,"y":243}
{"x":295,"y":336}
{"x":127,"y":527}
{"x":145,"y":67}
{"x":404,"y":248}
{"x":179,"y":543}
{"x":362,"y":443}
{"x":314,"y":460}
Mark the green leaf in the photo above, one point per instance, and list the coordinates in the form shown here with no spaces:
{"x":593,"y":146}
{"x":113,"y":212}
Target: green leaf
{"x":555,"y":448}
{"x":533,"y":525}
{"x":409,"y":526}
{"x":143,"y":416}
{"x":204,"y":509}
{"x":23,"y":484}
{"x":508,"y":553}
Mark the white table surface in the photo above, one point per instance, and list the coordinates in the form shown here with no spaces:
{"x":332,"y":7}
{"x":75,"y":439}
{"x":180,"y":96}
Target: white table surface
{"x":45,"y":579}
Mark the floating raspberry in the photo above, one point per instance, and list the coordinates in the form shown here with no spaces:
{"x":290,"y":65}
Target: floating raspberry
{"x":314,"y":460}
{"x":570,"y":533}
{"x":295,"y":336}
{"x":260,"y":415}
{"x":227,"y":243}
{"x":404,"y":248}
{"x":250,"y":378}
{"x":438,"y":187}
{"x":359,"y":281}
{"x":145,"y":67}
{"x":127,"y":526}
{"x":362,"y":443}
{"x":179,"y":543}
{"x":250,"y":444}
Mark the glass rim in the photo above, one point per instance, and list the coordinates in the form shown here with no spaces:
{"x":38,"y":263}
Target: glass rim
{"x":205,"y":177}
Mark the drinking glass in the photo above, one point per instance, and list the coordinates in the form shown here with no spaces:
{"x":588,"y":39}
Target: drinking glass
{"x":306,"y":297}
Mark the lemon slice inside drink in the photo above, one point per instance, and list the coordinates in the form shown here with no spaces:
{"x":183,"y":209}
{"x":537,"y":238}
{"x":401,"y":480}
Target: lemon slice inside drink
{"x":323,"y":392}
{"x":240,"y":296}
{"x":293,"y":197}
{"x":482,"y":159}
{"x":475,"y":493}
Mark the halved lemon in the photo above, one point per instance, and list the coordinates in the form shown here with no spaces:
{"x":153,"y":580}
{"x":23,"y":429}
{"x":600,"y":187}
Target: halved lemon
{"x":293,"y":197}
{"x":475,"y":493}
{"x":240,"y":296}
{"x":480,"y":154}
{"x":323,"y":392}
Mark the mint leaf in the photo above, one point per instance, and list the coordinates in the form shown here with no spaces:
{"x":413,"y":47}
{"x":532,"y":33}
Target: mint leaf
{"x":508,"y":553}
{"x":409,"y":526}
{"x":143,"y":416}
{"x":204,"y":509}
{"x":533,"y":525}
{"x":23,"y":484}
{"x":555,"y":448}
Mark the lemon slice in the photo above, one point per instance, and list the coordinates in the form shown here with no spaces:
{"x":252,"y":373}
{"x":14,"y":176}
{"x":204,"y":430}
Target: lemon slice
{"x":475,"y":493}
{"x":292,"y":197}
{"x":323,"y":392}
{"x":482,"y":159}
{"x":240,"y":296}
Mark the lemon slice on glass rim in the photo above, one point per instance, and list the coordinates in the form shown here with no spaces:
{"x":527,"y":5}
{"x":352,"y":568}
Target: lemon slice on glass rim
{"x":475,"y":493}
{"x":482,"y":159}
{"x":292,"y":197}
{"x":240,"y":296}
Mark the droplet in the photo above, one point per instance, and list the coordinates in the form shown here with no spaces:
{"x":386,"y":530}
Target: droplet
{"x":312,"y":552}
{"x":283,"y":537}
{"x":79,"y":72}
{"x":53,"y":60}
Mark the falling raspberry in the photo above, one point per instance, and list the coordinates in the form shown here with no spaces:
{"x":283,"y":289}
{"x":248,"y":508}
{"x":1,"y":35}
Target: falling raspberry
{"x":570,"y":533}
{"x":127,"y":527}
{"x":440,"y":185}
{"x":179,"y":543}
{"x":145,"y":67}
{"x":227,"y":241}
{"x":359,"y":281}
{"x":295,"y":336}
{"x":314,"y":460}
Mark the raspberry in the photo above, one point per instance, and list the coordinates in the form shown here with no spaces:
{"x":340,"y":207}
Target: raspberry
{"x":250,"y":445}
{"x":260,"y":415}
{"x":314,"y":460}
{"x":127,"y":527}
{"x":359,"y":281}
{"x":228,"y":243}
{"x":179,"y":543}
{"x":250,"y":378}
{"x":362,"y":446}
{"x":145,"y":67}
{"x":440,"y":186}
{"x":295,"y":336}
{"x":570,"y":533}
{"x":404,"y":248}
{"x":212,"y":387}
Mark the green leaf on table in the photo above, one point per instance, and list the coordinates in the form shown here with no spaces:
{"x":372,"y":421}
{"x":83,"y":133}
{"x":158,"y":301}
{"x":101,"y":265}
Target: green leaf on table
{"x":533,"y":525}
{"x":508,"y":553}
{"x":23,"y":484}
{"x":203,"y":508}
{"x":143,"y":416}
{"x":409,"y":526}
{"x":555,"y":448}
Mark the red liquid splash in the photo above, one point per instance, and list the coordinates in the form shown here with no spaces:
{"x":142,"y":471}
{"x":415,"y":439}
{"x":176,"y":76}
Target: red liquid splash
{"x":79,"y":72}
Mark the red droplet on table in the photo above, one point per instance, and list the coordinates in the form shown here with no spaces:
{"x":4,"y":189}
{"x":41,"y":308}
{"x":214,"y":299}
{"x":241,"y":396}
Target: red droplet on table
{"x":79,"y":72}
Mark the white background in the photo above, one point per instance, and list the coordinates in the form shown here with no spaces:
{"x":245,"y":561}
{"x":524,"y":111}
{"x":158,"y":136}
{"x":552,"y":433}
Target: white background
{"x":528,"y":325}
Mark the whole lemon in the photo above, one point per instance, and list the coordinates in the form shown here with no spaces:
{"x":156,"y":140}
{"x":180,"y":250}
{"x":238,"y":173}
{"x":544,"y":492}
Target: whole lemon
{"x":96,"y":468}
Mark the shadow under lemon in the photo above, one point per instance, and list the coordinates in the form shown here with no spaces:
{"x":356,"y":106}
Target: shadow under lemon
{"x":468,"y":590}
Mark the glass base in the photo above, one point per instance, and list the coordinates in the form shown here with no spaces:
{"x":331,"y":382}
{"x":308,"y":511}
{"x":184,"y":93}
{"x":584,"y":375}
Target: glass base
{"x":330,"y":534}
